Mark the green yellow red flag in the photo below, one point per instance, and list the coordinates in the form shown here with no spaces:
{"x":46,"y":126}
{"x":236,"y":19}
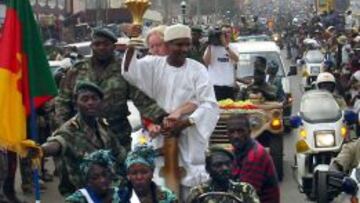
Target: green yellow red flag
{"x":24,"y":74}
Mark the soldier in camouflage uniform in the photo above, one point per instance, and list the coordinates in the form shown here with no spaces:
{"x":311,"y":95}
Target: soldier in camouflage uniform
{"x":218,"y":165}
{"x":82,"y":135}
{"x":104,"y":70}
{"x":260,"y":85}
{"x":197,"y":48}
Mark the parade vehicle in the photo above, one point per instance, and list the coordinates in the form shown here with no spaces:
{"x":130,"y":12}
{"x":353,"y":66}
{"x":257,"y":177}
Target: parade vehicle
{"x":248,"y":51}
{"x":267,"y":119}
{"x":321,"y":130}
{"x":311,"y":66}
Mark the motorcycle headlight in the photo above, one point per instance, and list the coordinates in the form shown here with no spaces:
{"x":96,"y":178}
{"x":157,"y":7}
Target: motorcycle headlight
{"x":324,"y":139}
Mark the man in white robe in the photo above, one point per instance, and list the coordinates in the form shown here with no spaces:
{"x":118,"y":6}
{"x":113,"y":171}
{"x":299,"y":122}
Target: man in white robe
{"x":174,"y":81}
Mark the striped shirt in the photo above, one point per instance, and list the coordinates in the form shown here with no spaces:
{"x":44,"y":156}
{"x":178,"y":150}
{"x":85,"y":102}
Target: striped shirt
{"x":255,"y":166}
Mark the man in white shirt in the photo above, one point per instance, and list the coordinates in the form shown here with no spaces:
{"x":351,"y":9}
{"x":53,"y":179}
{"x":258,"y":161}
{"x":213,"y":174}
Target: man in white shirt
{"x":220,"y":60}
{"x":173,"y":81}
{"x":349,"y":21}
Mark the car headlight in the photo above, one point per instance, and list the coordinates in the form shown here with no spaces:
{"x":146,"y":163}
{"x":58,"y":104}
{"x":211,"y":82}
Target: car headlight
{"x":324,"y":139}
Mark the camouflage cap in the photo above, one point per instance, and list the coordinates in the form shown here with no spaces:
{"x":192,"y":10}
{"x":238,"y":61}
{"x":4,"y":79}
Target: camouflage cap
{"x":197,"y":29}
{"x":87,"y":85}
{"x":103,"y":32}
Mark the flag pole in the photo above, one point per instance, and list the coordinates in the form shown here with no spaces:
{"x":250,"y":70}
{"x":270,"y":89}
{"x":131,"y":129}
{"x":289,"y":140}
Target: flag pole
{"x":34,"y":136}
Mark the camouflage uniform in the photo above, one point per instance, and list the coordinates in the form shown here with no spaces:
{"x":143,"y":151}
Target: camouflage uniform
{"x":243,"y":191}
{"x":196,"y":52}
{"x":78,"y":139}
{"x":268,"y":91}
{"x":78,"y":197}
{"x":117,"y":91}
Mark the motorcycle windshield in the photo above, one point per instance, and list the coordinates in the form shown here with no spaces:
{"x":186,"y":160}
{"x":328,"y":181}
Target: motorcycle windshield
{"x":314,"y":56}
{"x":320,"y":107}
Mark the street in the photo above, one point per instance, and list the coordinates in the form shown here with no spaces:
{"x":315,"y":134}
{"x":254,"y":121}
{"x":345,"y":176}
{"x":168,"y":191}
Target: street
{"x":289,"y":190}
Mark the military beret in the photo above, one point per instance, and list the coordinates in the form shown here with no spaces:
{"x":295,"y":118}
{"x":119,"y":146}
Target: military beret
{"x":196,"y":29}
{"x":86,"y":85}
{"x":103,"y":32}
{"x":216,"y":149}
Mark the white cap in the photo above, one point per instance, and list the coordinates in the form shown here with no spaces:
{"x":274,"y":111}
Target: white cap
{"x":178,"y":31}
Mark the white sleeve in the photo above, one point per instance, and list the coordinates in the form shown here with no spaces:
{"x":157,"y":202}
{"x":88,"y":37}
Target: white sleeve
{"x":140,"y":72}
{"x":206,"y":115}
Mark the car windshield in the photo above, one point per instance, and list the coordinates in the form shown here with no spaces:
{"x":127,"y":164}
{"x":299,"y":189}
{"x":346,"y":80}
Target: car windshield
{"x":319,"y":107}
{"x":314,"y":56}
{"x":246,"y":63}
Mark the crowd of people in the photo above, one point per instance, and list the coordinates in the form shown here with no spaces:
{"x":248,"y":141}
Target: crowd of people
{"x":175,"y":84}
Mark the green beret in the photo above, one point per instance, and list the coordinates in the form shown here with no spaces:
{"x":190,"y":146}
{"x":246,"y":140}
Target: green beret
{"x":196,"y":29}
{"x":216,"y":149}
{"x":86,"y":85}
{"x":103,"y":32}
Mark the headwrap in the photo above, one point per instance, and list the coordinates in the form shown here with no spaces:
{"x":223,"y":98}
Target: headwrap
{"x":142,"y":154}
{"x":178,"y":31}
{"x":102,"y":158}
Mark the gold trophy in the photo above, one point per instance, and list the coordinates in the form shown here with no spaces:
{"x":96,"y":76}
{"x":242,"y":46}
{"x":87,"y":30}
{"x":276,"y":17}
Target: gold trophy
{"x":137,"y":9}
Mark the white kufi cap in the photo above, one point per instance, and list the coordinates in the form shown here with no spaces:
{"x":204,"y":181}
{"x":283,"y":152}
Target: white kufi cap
{"x":178,"y":31}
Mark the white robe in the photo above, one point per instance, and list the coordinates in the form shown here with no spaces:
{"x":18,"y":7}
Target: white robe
{"x":171,"y":87}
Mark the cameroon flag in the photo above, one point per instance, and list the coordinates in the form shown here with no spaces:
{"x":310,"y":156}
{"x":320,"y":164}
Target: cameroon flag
{"x":25,"y":76}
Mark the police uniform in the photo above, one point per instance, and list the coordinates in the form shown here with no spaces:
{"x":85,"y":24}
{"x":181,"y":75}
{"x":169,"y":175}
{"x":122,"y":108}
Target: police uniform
{"x":243,"y":191}
{"x":117,"y":91}
{"x":349,"y":156}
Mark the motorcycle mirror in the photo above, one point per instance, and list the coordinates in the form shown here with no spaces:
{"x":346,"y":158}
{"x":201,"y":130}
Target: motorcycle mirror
{"x":350,"y":117}
{"x":293,"y":71}
{"x":295,"y":121}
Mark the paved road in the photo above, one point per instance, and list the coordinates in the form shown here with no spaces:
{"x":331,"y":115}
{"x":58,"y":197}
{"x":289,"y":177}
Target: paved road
{"x":289,"y":191}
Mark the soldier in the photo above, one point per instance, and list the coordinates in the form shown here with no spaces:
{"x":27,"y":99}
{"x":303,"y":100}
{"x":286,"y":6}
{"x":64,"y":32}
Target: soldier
{"x":260,"y":85}
{"x":197,"y":49}
{"x":218,"y":165}
{"x":273,"y":79}
{"x":84,"y":133}
{"x":103,"y":69}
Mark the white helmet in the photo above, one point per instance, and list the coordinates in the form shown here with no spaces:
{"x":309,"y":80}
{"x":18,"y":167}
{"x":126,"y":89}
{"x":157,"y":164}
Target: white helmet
{"x":326,"y":81}
{"x":325,"y":77}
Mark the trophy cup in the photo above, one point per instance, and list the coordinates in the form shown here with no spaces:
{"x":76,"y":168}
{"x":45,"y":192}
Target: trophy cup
{"x":137,"y":9}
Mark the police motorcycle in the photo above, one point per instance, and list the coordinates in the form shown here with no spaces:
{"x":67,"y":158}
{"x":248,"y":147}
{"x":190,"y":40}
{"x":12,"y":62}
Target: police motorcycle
{"x":321,"y":131}
{"x":311,"y":65}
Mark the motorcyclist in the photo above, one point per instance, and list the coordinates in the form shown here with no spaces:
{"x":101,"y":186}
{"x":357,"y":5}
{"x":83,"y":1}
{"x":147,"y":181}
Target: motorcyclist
{"x":326,"y":81}
{"x":273,"y":79}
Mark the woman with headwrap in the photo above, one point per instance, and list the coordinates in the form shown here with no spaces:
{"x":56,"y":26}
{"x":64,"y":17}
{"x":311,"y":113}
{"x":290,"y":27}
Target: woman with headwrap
{"x":140,"y":165}
{"x":98,"y":170}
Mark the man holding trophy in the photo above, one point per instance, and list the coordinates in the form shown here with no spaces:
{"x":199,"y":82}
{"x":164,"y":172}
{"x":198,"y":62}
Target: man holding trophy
{"x":181,"y":87}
